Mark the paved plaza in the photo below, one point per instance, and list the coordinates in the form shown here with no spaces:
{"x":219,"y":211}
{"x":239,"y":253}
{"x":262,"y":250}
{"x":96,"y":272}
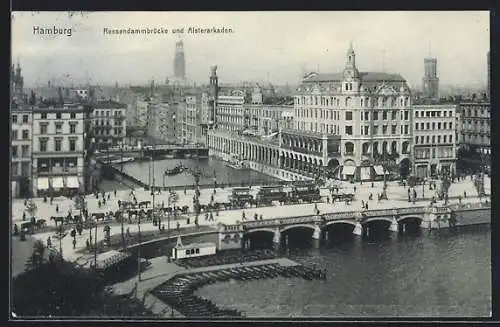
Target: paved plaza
{"x":397,"y":198}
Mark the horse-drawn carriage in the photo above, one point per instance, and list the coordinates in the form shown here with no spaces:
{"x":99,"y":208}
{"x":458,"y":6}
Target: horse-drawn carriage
{"x":268,"y":194}
{"x":306,"y":191}
{"x":240,"y":196}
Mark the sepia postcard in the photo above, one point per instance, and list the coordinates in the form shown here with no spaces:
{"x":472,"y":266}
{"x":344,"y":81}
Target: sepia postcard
{"x":243,"y":165}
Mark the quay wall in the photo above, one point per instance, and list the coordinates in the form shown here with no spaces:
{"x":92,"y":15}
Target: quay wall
{"x":473,"y":216}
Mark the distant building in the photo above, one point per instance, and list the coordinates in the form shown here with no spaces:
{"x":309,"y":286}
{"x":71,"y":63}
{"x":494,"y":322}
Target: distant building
{"x":163,"y":122}
{"x":430,"y":80}
{"x":109,"y":123}
{"x":17,"y":85}
{"x":58,"y":149}
{"x":434,"y":143}
{"x":21,"y":129}
{"x":179,"y":61}
{"x":191,"y":127}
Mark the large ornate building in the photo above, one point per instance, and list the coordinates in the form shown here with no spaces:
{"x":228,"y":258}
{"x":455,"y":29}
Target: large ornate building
{"x":356,"y":124}
{"x":362,"y":118}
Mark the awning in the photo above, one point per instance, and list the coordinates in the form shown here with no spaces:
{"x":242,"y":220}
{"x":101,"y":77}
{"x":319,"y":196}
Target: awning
{"x":348,"y":170}
{"x":43,"y":183}
{"x":72,"y":182}
{"x":57,"y":182}
{"x":379,"y":170}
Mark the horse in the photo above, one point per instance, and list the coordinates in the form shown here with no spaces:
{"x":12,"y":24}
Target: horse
{"x":40,"y":223}
{"x":57,"y":219}
{"x":99,"y":216}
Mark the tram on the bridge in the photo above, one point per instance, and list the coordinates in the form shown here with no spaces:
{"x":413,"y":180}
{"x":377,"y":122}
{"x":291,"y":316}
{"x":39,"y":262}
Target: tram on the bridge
{"x":240,"y":196}
{"x":268,"y":194}
{"x":305,"y":191}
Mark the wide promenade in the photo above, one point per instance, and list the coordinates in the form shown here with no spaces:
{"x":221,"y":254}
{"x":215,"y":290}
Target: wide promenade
{"x":397,"y":198}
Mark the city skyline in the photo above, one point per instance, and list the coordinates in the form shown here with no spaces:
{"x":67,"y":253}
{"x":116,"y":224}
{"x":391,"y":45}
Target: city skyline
{"x":285,"y":50}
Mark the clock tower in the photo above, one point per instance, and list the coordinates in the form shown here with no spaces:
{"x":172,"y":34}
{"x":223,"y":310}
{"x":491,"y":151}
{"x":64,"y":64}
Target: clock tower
{"x":350,"y":76}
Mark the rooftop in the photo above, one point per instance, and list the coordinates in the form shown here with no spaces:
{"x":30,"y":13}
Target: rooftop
{"x":109,"y":104}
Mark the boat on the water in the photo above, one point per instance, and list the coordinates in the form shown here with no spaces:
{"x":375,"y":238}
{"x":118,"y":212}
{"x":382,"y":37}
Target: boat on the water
{"x":176,"y":170}
{"x":236,"y":162}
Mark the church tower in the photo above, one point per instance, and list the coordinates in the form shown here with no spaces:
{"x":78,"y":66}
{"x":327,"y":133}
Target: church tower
{"x":350,"y":83}
{"x":179,"y":63}
{"x":214,"y":93}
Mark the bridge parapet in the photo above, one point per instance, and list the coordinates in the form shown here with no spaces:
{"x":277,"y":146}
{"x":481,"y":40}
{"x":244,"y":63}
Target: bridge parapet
{"x":340,"y":215}
{"x":413,"y":210}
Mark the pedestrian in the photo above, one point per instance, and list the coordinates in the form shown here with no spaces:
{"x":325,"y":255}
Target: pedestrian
{"x":178,"y":226}
{"x":362,"y":203}
{"x":372,"y":184}
{"x":317,"y":212}
{"x":49,"y":242}
{"x":255,"y":216}
{"x":99,"y":203}
{"x":74,"y":243}
{"x":51,"y":200}
{"x":103,"y":194}
{"x":87,"y":244}
{"x":128,"y":232}
{"x":370,"y":197}
{"x":459,"y":199}
{"x":24,"y":216}
{"x":261,"y":217}
{"x":366,"y":206}
{"x":354,"y":189}
{"x":465,"y":195}
{"x":16,"y":229}
{"x":109,"y":196}
{"x":25,"y":202}
{"x":327,"y":199}
{"x":57,"y":208}
{"x":119,"y":204}
{"x":104,"y":201}
{"x":115,"y":192}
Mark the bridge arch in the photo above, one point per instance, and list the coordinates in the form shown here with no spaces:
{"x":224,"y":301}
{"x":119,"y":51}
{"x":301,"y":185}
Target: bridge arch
{"x":343,"y":221}
{"x":284,"y":229}
{"x":415,"y":217}
{"x":369,"y":220}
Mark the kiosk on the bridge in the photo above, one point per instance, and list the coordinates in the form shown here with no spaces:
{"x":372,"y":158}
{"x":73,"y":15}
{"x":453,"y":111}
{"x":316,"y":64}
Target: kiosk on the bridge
{"x":181,"y":251}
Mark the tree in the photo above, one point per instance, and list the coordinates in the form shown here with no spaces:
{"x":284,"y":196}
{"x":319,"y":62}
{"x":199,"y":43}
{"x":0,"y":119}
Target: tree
{"x":80,"y":203}
{"x":31,"y":208}
{"x":36,"y":258}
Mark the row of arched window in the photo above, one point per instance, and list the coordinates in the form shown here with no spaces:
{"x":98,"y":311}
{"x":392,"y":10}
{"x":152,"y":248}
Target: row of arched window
{"x":331,"y":101}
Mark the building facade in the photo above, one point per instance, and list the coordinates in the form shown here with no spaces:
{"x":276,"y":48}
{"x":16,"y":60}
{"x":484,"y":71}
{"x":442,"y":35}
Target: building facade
{"x":430,"y":81}
{"x":58,"y":149}
{"x":191,"y":113}
{"x":475,"y":128}
{"x":109,"y":123}
{"x":369,"y":113}
{"x":162,"y":122}
{"x":21,"y":128}
{"x":435,"y":142}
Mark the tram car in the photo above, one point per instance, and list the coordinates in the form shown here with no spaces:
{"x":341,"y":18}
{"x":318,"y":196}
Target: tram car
{"x":193,"y":250}
{"x":240,"y":196}
{"x":268,"y":194}
{"x":305,"y":191}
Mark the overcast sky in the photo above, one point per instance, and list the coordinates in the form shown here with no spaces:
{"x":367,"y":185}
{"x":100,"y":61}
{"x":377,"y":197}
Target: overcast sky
{"x":278,"y":45}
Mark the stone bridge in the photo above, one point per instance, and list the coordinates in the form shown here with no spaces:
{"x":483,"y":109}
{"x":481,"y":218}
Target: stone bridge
{"x":238,"y":235}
